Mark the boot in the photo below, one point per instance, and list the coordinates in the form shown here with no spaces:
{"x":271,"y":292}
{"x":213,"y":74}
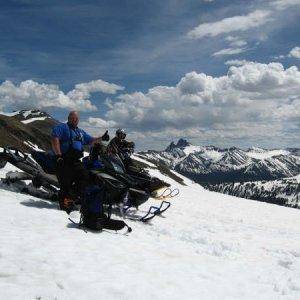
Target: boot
{"x":92,"y":221}
{"x":67,"y":204}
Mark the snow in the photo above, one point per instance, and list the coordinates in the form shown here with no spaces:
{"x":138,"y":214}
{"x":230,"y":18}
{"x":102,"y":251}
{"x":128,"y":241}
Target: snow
{"x":33,"y":119}
{"x":212,"y":155}
{"x":191,"y":149}
{"x":206,"y":246}
{"x":205,"y":153}
{"x":266,"y":154}
{"x":9,"y":114}
{"x":297,"y":177}
{"x":27,"y":113}
{"x":143,"y":161}
{"x":33,"y":146}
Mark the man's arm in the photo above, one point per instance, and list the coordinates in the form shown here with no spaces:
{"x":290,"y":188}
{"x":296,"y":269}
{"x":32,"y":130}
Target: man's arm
{"x":56,"y":145}
{"x":96,"y":140}
{"x":93,"y":140}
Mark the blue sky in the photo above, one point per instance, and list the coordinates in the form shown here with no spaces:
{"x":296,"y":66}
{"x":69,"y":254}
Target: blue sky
{"x":141,"y":45}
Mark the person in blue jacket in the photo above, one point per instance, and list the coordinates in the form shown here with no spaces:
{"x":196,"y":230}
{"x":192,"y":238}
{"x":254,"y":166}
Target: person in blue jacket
{"x":68,"y":141}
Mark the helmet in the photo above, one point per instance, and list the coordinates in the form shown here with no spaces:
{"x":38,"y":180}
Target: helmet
{"x":121,"y":134}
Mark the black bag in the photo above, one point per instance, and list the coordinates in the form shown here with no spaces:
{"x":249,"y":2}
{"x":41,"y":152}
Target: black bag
{"x":99,"y":222}
{"x":93,"y":216}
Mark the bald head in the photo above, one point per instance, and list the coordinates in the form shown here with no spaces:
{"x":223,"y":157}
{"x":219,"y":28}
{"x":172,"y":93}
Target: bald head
{"x":73,"y":118}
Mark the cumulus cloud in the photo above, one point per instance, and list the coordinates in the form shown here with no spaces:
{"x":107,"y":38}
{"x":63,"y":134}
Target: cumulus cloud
{"x":98,"y":86}
{"x":252,"y":94}
{"x":295,"y":52}
{"x":30,"y":93}
{"x":236,"y":62}
{"x":94,"y":125}
{"x":232,"y":24}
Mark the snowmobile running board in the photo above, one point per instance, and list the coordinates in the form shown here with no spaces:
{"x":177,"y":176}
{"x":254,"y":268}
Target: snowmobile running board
{"x":81,"y":226}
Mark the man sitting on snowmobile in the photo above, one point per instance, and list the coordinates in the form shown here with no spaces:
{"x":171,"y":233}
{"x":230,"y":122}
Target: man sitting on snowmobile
{"x":118,"y":145}
{"x":123,"y":149}
{"x":67,"y":143}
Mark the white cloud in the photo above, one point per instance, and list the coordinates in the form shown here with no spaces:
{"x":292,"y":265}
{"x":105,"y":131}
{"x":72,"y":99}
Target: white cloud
{"x":235,"y":44}
{"x":232,"y":24}
{"x":98,"y":86}
{"x":238,"y":43}
{"x":279,"y":57}
{"x":236,"y":62}
{"x":97,"y":125}
{"x":229,"y":51}
{"x":283,"y":4}
{"x":295,"y":52}
{"x":30,"y":94}
{"x":254,"y":94}
{"x":235,"y":41}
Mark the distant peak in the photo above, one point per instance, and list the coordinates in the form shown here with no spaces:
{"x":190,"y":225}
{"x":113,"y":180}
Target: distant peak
{"x":255,"y":149}
{"x":182,"y":143}
{"x":32,"y":113}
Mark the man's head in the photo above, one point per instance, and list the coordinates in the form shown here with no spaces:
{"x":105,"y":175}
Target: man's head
{"x":121,"y":134}
{"x":73,"y":118}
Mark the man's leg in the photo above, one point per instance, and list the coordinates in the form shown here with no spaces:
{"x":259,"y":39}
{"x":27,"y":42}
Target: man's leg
{"x":81,"y":178}
{"x":65,"y":178}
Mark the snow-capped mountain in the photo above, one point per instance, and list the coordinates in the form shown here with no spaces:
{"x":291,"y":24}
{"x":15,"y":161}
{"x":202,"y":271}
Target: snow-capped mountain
{"x":255,"y":173}
{"x":210,"y":164}
{"x":206,"y":246}
{"x":26,"y":128}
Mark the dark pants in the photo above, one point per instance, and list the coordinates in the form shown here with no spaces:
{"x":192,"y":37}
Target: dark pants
{"x":73,"y":178}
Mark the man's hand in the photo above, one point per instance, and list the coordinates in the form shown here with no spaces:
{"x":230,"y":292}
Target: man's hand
{"x":105,"y":136}
{"x":59,"y":161}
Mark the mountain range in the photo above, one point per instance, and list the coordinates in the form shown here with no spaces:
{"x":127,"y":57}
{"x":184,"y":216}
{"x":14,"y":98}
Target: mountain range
{"x":212,"y":165}
{"x":268,"y":175}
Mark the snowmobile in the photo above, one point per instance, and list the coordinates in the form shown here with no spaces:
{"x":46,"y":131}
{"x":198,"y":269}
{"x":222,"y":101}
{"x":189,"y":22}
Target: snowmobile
{"x":120,"y":160}
{"x":122,"y":191}
{"x":157,"y":188}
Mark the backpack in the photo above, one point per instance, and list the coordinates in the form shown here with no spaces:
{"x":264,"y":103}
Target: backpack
{"x":92,"y":211}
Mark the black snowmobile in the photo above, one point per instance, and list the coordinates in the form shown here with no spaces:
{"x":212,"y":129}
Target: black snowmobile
{"x":138,"y":174}
{"x":121,"y":190}
{"x":118,"y":161}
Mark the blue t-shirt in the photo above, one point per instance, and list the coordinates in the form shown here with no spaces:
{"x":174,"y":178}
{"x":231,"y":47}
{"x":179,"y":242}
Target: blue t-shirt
{"x":77,"y":139}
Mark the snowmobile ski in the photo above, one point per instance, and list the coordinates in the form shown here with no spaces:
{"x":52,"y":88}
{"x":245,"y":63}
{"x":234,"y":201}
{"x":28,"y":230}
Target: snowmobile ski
{"x":165,"y":194}
{"x":152,"y":212}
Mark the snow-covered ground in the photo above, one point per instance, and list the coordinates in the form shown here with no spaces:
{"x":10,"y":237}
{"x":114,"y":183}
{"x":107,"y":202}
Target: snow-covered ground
{"x":33,"y":120}
{"x":11,"y":114}
{"x":264,"y":154}
{"x":207,"y":246}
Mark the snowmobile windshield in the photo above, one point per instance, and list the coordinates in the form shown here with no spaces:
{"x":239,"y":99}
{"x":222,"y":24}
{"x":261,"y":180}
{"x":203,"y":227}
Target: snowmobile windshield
{"x":117,"y":165}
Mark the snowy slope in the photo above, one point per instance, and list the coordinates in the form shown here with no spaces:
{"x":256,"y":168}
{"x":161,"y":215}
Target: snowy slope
{"x":284,"y":191}
{"x":208,"y":246}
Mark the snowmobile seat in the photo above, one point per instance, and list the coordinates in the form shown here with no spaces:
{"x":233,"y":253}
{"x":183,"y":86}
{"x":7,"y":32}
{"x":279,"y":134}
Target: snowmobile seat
{"x":45,"y":160}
